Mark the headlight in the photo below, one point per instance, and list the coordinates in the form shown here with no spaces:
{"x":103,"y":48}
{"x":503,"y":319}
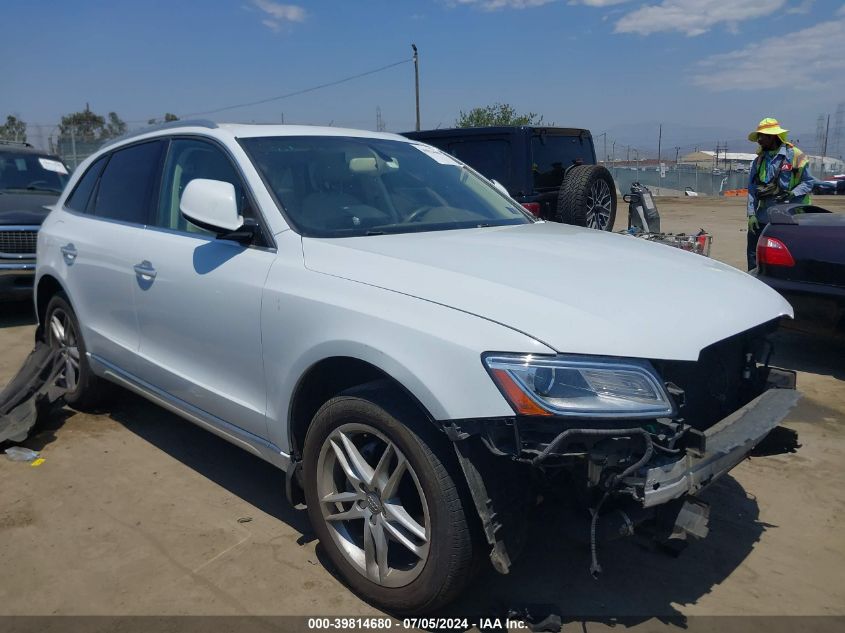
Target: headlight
{"x":580,"y":386}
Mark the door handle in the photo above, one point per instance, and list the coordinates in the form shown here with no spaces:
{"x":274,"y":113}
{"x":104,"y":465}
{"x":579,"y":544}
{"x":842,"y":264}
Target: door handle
{"x":145,"y":270}
{"x":69,"y":253}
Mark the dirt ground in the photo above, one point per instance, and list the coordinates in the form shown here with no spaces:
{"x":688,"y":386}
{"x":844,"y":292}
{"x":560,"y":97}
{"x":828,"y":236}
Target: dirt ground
{"x":136,"y":512}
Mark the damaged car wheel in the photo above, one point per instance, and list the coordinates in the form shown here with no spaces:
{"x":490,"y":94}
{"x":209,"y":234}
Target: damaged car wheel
{"x":386,"y":506}
{"x":62,"y":332}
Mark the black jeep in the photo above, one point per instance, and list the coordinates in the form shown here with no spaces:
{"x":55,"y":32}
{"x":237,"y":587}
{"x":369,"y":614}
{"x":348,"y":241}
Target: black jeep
{"x":552,"y":171}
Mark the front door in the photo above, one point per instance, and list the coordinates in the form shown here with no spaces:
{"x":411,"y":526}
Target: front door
{"x":199,"y":306}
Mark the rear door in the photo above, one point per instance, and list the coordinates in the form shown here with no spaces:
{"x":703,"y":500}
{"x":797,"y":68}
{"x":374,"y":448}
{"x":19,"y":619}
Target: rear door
{"x":101,"y":245}
{"x":199,"y":305}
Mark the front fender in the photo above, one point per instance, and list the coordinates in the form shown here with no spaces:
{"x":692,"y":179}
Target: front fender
{"x":433,"y":351}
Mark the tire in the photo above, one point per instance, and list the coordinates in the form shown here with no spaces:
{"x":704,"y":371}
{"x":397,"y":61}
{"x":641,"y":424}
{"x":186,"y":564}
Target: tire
{"x":61,"y":330}
{"x":587,"y":197}
{"x":426,"y":492}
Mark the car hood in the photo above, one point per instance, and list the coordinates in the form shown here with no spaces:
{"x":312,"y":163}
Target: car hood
{"x":25,"y":208}
{"x":576,"y":290}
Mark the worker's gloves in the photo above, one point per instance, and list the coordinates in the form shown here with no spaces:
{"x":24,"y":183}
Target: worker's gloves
{"x":753,"y":223}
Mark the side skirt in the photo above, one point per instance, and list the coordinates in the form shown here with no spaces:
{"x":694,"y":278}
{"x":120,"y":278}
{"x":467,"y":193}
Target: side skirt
{"x":257,"y":446}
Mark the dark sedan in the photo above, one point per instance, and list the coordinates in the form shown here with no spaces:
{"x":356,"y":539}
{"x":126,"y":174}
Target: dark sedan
{"x":30,"y":180}
{"x":801,"y":254}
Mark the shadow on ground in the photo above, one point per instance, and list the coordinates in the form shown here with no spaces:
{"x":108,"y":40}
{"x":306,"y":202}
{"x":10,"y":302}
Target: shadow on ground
{"x":16,"y":313}
{"x":638,"y":583}
{"x":813,"y":353}
{"x":241,"y":473}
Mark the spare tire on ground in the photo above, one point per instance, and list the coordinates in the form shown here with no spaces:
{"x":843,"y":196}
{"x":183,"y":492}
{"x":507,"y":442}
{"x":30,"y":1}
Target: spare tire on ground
{"x":587,"y":198}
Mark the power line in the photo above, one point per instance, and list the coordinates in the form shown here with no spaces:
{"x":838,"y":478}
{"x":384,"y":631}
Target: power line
{"x":296,"y":92}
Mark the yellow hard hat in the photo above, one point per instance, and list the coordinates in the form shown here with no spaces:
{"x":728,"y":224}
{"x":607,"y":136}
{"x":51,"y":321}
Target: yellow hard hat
{"x":768,"y":126}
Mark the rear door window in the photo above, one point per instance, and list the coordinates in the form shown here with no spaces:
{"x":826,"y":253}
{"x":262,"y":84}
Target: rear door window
{"x":552,"y":155}
{"x":489,"y":157}
{"x":129,"y":182}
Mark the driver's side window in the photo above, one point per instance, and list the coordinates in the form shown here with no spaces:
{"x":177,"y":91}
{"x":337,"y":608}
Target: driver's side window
{"x":188,"y":159}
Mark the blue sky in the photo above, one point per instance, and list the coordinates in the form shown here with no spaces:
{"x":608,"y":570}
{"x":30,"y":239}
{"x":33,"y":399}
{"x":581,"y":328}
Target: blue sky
{"x":702,"y":67}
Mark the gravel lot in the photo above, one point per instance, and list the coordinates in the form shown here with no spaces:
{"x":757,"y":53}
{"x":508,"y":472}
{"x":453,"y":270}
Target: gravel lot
{"x":137,"y":512}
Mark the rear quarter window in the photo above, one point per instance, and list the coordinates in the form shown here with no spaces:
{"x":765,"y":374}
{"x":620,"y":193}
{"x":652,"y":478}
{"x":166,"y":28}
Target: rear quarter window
{"x":81,"y":195}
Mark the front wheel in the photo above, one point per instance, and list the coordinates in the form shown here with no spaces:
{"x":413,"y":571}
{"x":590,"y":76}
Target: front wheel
{"x":384,"y":502}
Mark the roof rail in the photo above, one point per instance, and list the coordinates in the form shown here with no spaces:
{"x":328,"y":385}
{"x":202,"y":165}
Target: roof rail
{"x":19,"y":143}
{"x":211,"y":125}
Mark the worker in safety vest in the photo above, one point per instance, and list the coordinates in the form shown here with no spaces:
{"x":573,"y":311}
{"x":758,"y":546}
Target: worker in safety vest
{"x":779,"y":174}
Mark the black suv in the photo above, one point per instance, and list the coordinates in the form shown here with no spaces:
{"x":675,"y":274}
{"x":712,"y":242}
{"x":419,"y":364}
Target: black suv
{"x":29,"y":180}
{"x":552,"y":171}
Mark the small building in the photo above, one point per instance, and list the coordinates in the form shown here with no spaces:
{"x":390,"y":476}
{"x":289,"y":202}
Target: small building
{"x":727,"y":160}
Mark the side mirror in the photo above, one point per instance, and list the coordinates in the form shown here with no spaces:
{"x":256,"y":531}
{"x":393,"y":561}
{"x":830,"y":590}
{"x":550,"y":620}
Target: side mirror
{"x":501,"y":188}
{"x":211,"y":205}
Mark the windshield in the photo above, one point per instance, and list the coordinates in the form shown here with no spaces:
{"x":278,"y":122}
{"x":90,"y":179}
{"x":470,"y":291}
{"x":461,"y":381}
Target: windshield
{"x":31,"y":172}
{"x":334,"y":186}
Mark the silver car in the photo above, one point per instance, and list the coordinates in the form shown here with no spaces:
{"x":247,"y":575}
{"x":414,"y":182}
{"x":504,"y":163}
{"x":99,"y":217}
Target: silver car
{"x":415,"y":350}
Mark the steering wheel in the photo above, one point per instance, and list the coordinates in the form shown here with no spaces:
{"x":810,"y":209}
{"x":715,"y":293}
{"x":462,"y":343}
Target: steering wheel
{"x":416,"y":215}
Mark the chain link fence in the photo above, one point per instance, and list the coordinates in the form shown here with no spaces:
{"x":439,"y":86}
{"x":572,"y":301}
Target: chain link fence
{"x":678,"y":178}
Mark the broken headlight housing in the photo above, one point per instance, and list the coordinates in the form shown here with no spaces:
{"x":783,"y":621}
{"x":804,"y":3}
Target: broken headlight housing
{"x":580,"y":386}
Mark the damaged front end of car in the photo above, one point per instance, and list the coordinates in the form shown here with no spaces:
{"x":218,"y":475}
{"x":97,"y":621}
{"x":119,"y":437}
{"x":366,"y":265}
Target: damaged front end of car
{"x":636,"y":440}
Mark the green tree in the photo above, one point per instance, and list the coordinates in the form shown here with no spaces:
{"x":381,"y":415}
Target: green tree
{"x":168,"y":117}
{"x":84,"y":126}
{"x":89,"y":127}
{"x":13,"y":129}
{"x":496,"y":114}
{"x":115,"y":126}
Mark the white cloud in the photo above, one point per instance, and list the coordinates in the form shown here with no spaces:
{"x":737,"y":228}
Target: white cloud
{"x":693,"y":17}
{"x":277,"y":13}
{"x":597,"y":3}
{"x":806,"y":59}
{"x":804,"y":7}
{"x":495,"y":5}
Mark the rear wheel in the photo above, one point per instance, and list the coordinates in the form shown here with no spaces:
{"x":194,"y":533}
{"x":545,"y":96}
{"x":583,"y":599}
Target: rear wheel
{"x":84,"y":389}
{"x":588,"y":198}
{"x":386,"y":506}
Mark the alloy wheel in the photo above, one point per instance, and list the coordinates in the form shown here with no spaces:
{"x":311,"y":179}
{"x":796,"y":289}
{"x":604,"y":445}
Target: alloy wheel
{"x":63,"y":337}
{"x":599,"y":205}
{"x":373,"y":505}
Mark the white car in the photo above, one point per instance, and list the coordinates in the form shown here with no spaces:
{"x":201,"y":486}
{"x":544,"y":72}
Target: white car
{"x":414,"y":349}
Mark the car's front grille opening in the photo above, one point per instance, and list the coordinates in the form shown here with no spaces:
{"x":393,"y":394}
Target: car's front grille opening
{"x":18,"y":241}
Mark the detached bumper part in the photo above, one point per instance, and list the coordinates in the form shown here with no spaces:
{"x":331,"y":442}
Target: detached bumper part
{"x":37,"y":385}
{"x":726,"y":444}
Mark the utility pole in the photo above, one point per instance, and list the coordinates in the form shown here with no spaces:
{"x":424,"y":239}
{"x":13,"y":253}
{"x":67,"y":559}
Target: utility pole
{"x":677,"y":151}
{"x":604,"y":134}
{"x":613,"y":153}
{"x":73,"y":144}
{"x":659,"y":143}
{"x":379,"y":120}
{"x":417,"y":82}
{"x":824,"y":146}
